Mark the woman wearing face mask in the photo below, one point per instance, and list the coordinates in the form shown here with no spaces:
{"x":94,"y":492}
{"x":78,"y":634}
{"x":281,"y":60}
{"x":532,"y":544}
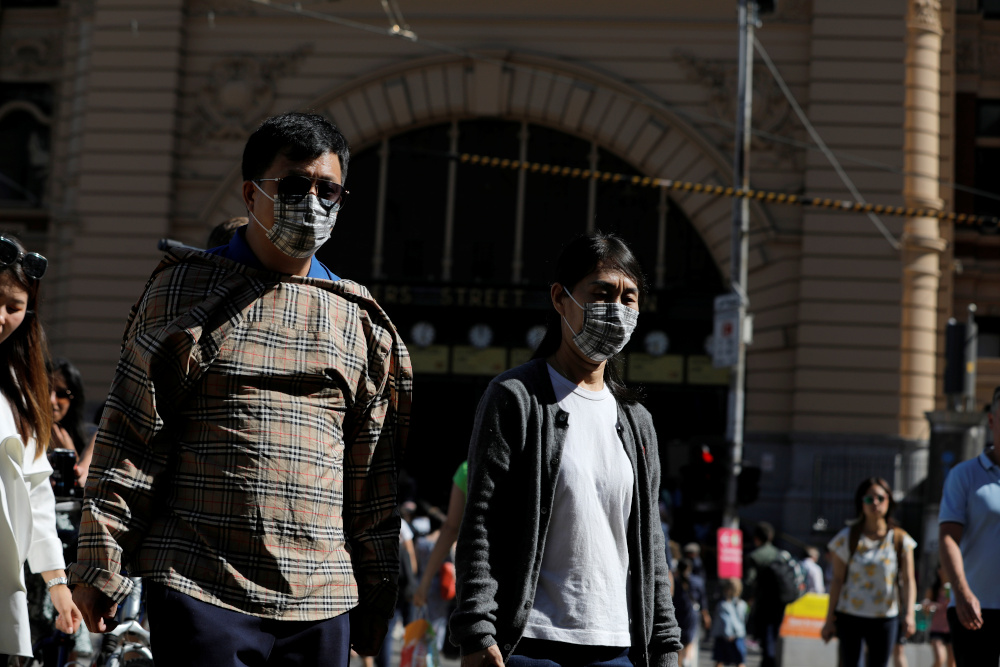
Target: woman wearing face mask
{"x":560,"y":555}
{"x":28,"y":523}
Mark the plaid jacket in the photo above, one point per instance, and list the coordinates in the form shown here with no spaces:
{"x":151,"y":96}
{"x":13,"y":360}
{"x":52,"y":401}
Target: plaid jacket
{"x":248,"y":452}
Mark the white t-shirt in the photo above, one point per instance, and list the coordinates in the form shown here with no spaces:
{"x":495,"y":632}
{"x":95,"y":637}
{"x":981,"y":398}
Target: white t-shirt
{"x":582,"y":594}
{"x":871,"y":589}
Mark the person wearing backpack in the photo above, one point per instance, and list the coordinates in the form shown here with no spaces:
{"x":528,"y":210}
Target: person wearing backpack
{"x":872,"y":579}
{"x":762,"y":590}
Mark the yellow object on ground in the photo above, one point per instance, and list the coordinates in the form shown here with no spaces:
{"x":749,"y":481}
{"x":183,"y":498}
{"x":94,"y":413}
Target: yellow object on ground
{"x":805,"y":616}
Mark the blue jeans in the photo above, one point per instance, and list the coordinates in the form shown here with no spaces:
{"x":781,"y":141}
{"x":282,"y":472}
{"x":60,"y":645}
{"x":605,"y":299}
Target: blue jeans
{"x":879,"y":634}
{"x":542,"y":653}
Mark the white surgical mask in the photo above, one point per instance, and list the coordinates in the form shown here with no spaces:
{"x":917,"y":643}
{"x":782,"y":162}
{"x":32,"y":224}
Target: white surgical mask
{"x":606,"y":330}
{"x":299,"y":228}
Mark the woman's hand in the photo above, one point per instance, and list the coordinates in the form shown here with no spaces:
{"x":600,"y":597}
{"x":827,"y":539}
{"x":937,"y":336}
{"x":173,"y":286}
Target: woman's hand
{"x":488,"y":657}
{"x":910,"y":624}
{"x":829,"y":630}
{"x":70,"y":617}
{"x":420,"y":595}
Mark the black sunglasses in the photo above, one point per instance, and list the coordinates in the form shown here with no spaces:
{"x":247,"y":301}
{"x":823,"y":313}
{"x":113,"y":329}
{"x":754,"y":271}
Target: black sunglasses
{"x":294,"y":188}
{"x":63,"y":393}
{"x":34,"y":265}
{"x":871,"y":499}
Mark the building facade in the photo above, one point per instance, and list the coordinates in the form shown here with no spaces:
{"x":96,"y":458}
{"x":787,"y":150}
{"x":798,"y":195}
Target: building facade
{"x":123,"y":123}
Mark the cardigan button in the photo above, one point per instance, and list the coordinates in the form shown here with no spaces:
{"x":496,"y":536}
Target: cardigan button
{"x":545,"y":510}
{"x":562,"y":418}
{"x":506,"y":647}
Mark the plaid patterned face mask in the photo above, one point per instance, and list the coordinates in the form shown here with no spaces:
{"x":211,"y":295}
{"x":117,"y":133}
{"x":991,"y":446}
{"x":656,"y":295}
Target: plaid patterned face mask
{"x":300,"y":227}
{"x":606,"y":329}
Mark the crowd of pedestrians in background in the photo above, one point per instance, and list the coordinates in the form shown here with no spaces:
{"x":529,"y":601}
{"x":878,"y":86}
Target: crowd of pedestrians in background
{"x":527,"y":564}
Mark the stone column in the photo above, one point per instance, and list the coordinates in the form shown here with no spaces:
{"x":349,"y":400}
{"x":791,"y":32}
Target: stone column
{"x":922,"y":242}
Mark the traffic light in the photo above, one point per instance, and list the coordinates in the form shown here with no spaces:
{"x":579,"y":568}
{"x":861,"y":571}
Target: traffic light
{"x":703,"y":481}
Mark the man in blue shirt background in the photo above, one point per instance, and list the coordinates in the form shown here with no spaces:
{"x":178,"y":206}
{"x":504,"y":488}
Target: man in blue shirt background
{"x":969,"y":545}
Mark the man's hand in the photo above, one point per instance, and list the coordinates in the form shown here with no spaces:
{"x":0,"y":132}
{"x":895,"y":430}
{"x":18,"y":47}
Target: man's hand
{"x":488,"y":657}
{"x":97,"y":608}
{"x":967,"y":608}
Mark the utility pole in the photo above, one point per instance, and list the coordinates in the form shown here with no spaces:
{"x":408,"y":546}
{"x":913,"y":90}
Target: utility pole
{"x":739,"y":252}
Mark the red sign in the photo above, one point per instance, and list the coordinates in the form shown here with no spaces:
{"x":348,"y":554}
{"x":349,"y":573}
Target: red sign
{"x":730,"y":549}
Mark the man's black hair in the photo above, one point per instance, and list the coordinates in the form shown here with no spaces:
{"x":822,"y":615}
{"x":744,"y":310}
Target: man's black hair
{"x":297,"y":136}
{"x":764,"y":532}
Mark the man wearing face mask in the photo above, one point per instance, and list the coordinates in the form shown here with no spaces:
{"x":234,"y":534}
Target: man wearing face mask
{"x":560,"y":555}
{"x":246,"y":462}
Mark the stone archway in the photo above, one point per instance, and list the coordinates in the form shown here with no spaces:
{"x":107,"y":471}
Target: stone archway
{"x":538,"y":90}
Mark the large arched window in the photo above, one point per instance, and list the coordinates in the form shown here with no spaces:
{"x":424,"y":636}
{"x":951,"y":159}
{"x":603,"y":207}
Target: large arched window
{"x":461,"y":257}
{"x":410,"y":219}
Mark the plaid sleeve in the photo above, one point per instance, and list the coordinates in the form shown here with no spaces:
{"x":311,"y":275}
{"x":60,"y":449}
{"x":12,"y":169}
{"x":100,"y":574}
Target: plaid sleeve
{"x":125,"y":464}
{"x":161,"y":357}
{"x":373,"y":453}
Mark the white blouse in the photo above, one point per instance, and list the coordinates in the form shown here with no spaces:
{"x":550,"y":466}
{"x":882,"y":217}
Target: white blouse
{"x":27,"y":530}
{"x":871,"y":589}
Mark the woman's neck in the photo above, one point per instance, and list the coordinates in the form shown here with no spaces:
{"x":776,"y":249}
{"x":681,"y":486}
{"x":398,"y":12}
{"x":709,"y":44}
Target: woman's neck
{"x":875,"y":526}
{"x":572,"y":366}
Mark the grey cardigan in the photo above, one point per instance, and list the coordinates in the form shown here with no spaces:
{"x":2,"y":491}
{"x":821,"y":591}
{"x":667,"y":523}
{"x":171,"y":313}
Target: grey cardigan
{"x":514,"y":456}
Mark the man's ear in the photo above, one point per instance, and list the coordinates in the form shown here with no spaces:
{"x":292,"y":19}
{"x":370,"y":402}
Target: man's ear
{"x":248,"y":192}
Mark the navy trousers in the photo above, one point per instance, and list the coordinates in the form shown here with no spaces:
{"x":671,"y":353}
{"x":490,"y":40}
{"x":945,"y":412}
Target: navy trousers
{"x":185,"y":631}
{"x":542,"y":653}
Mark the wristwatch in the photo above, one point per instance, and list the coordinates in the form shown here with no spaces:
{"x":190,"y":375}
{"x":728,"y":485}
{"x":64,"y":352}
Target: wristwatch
{"x":56,"y":581}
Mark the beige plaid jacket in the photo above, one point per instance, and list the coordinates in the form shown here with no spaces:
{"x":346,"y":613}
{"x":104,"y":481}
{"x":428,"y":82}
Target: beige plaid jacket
{"x":249,"y":449}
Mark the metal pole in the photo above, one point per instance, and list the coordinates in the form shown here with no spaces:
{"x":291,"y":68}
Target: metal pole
{"x":739,"y":253}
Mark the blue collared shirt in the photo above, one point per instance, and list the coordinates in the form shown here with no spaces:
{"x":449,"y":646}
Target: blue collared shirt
{"x":972,"y":498}
{"x":239,"y":250}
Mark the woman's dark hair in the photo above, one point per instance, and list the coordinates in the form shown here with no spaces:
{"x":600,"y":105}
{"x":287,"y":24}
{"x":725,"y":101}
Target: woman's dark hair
{"x":578,"y":259}
{"x":25,"y":385}
{"x":862,"y":491}
{"x":297,"y":136}
{"x":73,"y":422}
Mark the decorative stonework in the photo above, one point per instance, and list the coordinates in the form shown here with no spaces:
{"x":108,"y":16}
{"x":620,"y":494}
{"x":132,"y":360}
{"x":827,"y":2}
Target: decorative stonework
{"x":240,"y":91}
{"x":29,"y":56}
{"x":792,"y":11}
{"x":927,"y":15}
{"x":771,"y":111}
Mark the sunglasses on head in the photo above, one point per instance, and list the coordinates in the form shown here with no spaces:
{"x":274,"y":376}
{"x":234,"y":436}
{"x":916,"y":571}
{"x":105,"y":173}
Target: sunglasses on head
{"x":34,"y":265}
{"x":873,"y":498}
{"x":294,"y":188}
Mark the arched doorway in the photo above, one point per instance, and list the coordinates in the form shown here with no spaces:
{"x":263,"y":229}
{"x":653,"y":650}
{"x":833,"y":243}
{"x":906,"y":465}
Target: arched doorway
{"x":438,"y":243}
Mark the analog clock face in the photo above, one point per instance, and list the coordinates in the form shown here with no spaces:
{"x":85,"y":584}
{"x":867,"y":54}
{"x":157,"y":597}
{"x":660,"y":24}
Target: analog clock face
{"x":422,"y":334}
{"x":534,"y":336}
{"x":656,"y":343}
{"x":480,"y":336}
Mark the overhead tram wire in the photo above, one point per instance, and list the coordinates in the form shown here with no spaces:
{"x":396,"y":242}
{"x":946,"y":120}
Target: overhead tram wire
{"x":818,"y":140}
